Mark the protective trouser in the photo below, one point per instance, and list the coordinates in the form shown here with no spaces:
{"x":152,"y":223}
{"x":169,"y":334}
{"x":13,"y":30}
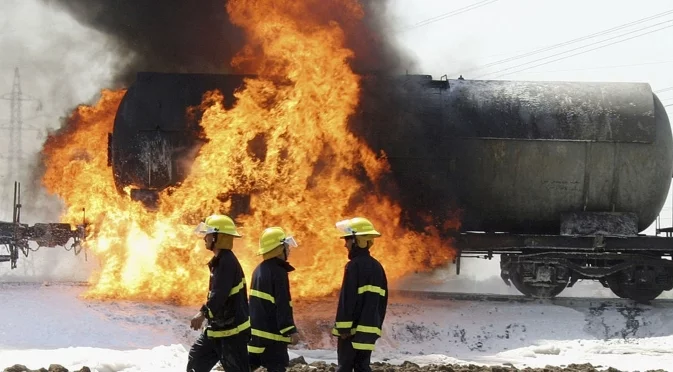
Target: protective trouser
{"x":350,"y":359}
{"x":231,"y":351}
{"x":274,"y":358}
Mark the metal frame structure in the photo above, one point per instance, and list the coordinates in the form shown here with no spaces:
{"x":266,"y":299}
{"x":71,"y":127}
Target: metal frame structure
{"x":634,"y":266}
{"x":16,"y":236}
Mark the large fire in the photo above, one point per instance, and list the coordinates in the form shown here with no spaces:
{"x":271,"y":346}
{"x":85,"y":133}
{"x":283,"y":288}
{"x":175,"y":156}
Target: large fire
{"x":300,"y":104}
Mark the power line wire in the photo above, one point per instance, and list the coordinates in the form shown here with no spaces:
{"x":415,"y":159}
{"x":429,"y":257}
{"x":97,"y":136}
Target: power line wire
{"x":600,"y":33}
{"x":582,"y":52}
{"x":577,"y":48}
{"x":452,"y":13}
{"x":602,"y":67}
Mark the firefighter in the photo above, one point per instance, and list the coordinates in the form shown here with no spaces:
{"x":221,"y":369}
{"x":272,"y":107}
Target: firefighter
{"x":273,"y":327}
{"x":363,"y":299}
{"x":227,"y":333}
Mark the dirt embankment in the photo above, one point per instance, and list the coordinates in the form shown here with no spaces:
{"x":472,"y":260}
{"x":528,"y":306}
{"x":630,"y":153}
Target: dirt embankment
{"x":299,"y":365}
{"x":51,"y":368}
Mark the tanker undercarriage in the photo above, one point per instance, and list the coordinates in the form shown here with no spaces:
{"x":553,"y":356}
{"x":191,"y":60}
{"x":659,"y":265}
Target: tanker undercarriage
{"x":633,"y":266}
{"x":640,"y":277}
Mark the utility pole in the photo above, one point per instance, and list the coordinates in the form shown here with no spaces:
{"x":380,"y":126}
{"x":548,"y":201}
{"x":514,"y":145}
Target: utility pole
{"x":14,"y":155}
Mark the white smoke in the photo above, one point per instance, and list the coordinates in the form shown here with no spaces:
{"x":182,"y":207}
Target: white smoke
{"x":62,"y":64}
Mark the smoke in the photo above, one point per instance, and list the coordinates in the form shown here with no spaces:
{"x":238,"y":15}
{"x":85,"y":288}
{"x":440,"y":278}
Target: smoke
{"x":60,"y":65}
{"x":376,"y":50}
{"x":161,"y":36}
{"x":198,"y":37}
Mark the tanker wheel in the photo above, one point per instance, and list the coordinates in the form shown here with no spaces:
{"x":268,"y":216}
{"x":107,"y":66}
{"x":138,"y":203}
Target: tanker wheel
{"x":616,"y":286}
{"x":620,"y":286}
{"x":542,"y":291}
{"x":517,"y":280}
{"x":642,"y":295}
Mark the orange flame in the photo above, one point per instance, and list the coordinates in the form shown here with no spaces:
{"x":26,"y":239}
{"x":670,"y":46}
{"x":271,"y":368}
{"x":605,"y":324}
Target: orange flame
{"x":299,"y":105}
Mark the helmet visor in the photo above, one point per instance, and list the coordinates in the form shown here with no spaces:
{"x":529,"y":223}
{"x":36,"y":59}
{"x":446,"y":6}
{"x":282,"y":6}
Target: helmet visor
{"x":291,"y":243}
{"x":345,"y":227}
{"x":202,"y":230}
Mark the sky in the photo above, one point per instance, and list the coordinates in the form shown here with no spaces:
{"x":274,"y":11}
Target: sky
{"x":494,"y":30}
{"x":63,"y":64}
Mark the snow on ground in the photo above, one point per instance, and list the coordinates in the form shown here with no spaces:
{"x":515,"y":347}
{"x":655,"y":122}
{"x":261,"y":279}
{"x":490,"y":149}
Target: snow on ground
{"x":50,"y":324}
{"x":44,"y":324}
{"x":533,"y":334}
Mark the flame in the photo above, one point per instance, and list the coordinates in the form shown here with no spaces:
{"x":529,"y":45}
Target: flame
{"x":313,"y":173}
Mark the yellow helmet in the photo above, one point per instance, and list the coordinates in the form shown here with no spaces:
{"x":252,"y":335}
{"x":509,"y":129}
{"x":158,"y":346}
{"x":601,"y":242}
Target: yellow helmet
{"x":271,"y":238}
{"x":357,"y":226}
{"x":217,"y":224}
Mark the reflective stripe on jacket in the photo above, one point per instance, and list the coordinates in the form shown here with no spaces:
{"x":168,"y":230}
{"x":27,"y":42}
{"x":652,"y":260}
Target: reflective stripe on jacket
{"x":270,"y":305}
{"x":362,"y":301}
{"x":227,"y":309}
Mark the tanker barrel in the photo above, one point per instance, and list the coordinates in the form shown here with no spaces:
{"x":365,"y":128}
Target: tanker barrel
{"x":512,"y":156}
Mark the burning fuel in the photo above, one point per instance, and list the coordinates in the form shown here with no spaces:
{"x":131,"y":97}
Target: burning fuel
{"x":312,"y":173}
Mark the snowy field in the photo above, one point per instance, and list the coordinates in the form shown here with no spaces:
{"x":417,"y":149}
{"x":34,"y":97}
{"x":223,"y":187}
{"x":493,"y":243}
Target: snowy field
{"x":44,"y":324}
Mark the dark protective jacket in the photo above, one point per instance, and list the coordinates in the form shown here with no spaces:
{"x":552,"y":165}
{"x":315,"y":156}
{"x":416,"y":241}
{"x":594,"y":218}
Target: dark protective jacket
{"x":270,"y":305}
{"x":363,"y":300}
{"x":227,"y":307}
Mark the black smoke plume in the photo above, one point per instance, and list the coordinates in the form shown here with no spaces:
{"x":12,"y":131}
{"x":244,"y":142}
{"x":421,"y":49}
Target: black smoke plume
{"x":161,"y":36}
{"x":196,"y":36}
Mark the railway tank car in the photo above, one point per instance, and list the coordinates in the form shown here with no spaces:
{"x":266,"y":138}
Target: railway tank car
{"x":558,"y":178}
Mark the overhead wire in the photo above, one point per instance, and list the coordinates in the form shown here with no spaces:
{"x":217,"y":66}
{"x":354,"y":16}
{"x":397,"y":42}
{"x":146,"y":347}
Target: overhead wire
{"x":582,"y":52}
{"x":586,"y":37}
{"x":603,"y":67}
{"x":584,"y":46}
{"x":452,"y":13}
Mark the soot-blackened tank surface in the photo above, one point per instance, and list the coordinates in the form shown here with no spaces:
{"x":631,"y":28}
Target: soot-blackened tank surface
{"x":153,"y":133}
{"x":515,"y":155}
